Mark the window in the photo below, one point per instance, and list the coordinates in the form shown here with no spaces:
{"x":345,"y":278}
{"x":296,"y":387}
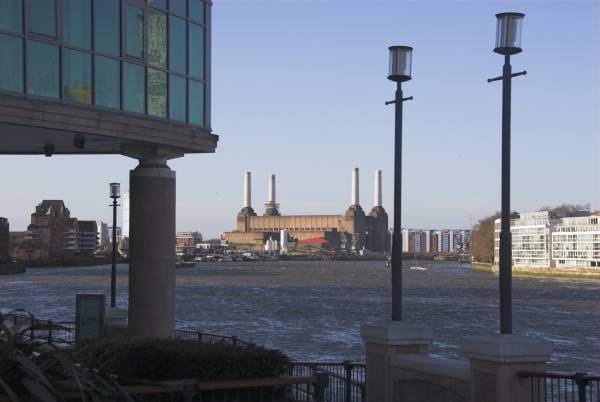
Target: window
{"x":157,"y":38}
{"x":108,"y":83}
{"x":177,"y":7}
{"x":196,"y":102}
{"x":76,"y":23}
{"x":135,"y":32}
{"x":43,"y":70}
{"x":196,"y":10}
{"x":11,"y":67}
{"x":77,"y":76}
{"x":157,"y":93}
{"x":43,"y":17}
{"x":177,"y":45}
{"x":196,"y":51}
{"x":134,"y":94}
{"x":108,"y":27}
{"x":11,"y":17}
{"x":177,"y":98}
{"x":158,"y":3}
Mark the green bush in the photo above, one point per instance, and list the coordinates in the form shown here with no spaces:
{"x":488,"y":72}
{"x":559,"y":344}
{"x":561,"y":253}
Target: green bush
{"x":172,"y":359}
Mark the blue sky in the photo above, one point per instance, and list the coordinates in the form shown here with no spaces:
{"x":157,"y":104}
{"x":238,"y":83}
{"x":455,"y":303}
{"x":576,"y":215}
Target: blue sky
{"x":299,"y":90}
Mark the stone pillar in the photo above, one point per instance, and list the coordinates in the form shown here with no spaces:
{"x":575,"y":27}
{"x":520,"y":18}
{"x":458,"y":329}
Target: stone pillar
{"x":384,"y":341}
{"x":152,"y":250}
{"x":495,"y":361}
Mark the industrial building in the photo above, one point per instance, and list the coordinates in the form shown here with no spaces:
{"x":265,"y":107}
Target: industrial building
{"x":552,"y":239}
{"x":351,"y":231}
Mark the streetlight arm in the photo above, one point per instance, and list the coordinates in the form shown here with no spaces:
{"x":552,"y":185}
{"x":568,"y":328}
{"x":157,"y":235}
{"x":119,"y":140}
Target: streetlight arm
{"x":403,"y":100}
{"x":512,"y":75}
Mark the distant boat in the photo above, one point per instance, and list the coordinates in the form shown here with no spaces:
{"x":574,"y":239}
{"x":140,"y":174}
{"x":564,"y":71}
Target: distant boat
{"x":185,"y":264}
{"x":416,"y":267}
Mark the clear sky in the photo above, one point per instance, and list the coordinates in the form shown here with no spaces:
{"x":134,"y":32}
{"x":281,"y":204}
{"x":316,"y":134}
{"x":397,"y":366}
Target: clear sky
{"x":299,"y":90}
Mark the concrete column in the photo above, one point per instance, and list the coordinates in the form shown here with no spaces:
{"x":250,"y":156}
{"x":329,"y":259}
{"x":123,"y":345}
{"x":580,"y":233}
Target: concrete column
{"x":382,"y":343}
{"x":271,"y":195}
{"x":377,"y":194}
{"x":355,"y":189}
{"x":495,"y":361}
{"x":247,"y":190}
{"x":152,"y":250}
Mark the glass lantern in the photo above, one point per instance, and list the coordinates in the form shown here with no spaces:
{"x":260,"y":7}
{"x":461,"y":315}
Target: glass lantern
{"x":115,"y":190}
{"x":400,"y":63}
{"x":508,"y":33}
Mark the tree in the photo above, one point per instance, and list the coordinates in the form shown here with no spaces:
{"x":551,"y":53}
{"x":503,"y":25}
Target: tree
{"x":566,"y":208}
{"x":482,"y":239}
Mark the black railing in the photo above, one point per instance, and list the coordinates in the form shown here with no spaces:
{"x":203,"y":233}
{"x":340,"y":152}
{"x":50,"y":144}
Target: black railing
{"x":563,"y":387}
{"x":60,"y":332}
{"x":203,"y":337}
{"x":347,"y":381}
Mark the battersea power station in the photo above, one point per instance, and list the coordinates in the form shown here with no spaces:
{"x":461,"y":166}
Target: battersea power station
{"x":351,"y":231}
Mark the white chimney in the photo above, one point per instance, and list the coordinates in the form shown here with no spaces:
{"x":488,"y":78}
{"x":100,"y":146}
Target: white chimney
{"x":355,"y":189}
{"x":247,"y":191}
{"x":271,"y":194}
{"x":377,"y":194}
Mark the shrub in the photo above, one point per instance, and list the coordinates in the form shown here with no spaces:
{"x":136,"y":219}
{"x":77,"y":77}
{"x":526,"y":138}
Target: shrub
{"x":172,"y":359}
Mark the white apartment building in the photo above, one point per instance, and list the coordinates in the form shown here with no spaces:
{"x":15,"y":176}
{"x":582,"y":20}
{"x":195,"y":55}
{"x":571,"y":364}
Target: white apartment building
{"x":405,"y":233}
{"x":548,"y":240}
{"x":125,"y":231}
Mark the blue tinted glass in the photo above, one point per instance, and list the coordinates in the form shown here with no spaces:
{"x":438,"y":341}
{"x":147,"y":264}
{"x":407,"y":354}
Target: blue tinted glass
{"x":107,"y":27}
{"x":135,"y":31}
{"x":196,"y":102}
{"x":11,"y":16}
{"x":134,"y":88}
{"x":77,"y":16}
{"x":196,"y":10}
{"x":177,"y":98}
{"x":158,"y":3}
{"x":108,"y":82}
{"x":11,"y":63}
{"x":177,"y":7}
{"x":177,"y":45}
{"x":157,"y":38}
{"x":43,"y":17}
{"x":196,"y":51}
{"x":77,"y":76}
{"x":42,"y":75}
{"x":157,"y":93}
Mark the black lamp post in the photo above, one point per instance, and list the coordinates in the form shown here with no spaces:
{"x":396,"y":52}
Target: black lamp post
{"x":400,"y":70}
{"x":508,"y":42}
{"x":115,"y":192}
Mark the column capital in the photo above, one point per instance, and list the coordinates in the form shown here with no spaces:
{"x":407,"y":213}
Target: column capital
{"x":397,"y":333}
{"x":507,"y":348}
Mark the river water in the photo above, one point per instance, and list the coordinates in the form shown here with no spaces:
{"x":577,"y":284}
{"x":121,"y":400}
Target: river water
{"x":314,"y":310}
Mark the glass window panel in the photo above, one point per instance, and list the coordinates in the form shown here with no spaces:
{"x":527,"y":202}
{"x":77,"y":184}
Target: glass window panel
{"x":77,"y":76}
{"x":196,"y":10}
{"x":177,"y":7}
{"x":158,"y":3}
{"x":108,"y":29}
{"x":11,"y":16}
{"x":196,"y":51}
{"x":196,"y":102}
{"x":42,"y":74}
{"x":135,"y":31}
{"x":108,"y":82}
{"x":157,"y":93}
{"x":177,"y":45}
{"x":43,"y":17}
{"x":177,"y":98}
{"x":77,"y":16}
{"x":11,"y":63}
{"x":157,"y":38}
{"x":134,"y":88}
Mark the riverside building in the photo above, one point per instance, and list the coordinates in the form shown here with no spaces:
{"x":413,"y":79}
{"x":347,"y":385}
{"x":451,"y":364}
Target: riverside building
{"x":129,"y":77}
{"x":552,"y":239}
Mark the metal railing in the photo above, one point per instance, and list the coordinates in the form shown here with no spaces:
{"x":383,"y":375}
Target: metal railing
{"x":51,"y":331}
{"x":347,"y":381}
{"x":563,"y":387}
{"x":203,"y":337}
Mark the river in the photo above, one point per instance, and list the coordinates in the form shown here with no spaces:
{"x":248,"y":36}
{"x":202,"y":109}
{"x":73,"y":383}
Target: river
{"x":313,"y":310}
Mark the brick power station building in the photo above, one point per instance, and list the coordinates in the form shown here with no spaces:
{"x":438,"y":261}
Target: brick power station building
{"x":352,"y":230}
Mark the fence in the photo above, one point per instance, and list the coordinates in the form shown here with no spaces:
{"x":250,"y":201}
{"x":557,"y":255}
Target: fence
{"x":203,"y":337}
{"x":347,"y":381}
{"x":51,"y":331}
{"x":563,"y":387}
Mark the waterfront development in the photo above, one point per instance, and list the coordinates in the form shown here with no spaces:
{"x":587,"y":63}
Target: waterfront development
{"x":313,"y":310}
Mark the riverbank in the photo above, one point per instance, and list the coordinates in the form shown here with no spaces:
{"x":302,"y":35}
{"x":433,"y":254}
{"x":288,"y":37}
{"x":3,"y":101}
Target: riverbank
{"x":67,"y":262}
{"x":565,"y":273}
{"x":12,"y":268}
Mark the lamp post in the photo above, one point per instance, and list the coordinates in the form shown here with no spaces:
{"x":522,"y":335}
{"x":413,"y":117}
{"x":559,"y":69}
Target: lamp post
{"x":508,"y":42}
{"x":400,"y":70}
{"x":115,"y":192}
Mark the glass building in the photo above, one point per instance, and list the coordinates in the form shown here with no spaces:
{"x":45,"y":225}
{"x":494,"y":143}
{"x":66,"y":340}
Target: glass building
{"x":135,"y":57}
